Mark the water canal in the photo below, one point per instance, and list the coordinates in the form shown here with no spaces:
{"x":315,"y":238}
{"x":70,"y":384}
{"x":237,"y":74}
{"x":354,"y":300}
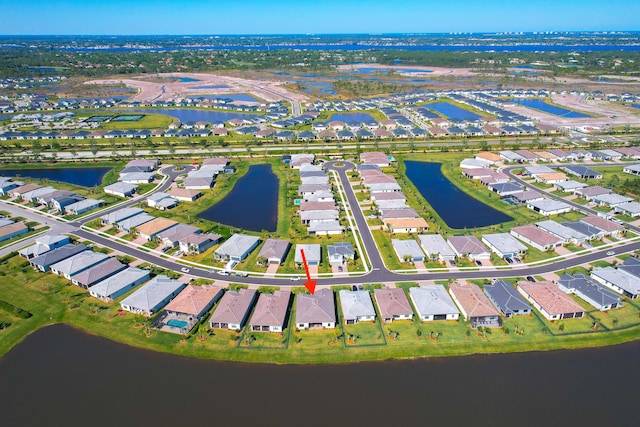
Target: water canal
{"x":61,"y":376}
{"x":252,"y":204}
{"x":452,"y":111}
{"x":456,"y":208}
{"x":541,"y":105}
{"x":87,"y":177}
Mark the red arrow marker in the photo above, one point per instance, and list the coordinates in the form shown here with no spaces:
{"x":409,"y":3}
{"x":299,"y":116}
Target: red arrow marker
{"x":309,"y":284}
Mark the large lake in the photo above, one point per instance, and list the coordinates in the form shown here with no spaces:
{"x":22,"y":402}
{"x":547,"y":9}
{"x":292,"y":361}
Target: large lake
{"x":60,"y":376}
{"x":87,"y":177}
{"x":252,"y":204}
{"x":348,"y":118}
{"x":456,"y":208}
{"x":539,"y":104}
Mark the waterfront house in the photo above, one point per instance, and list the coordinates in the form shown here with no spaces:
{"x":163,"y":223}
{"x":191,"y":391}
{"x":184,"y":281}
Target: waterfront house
{"x":407,"y":250}
{"x":504,"y":245}
{"x":356,"y":306}
{"x":274,"y":251}
{"x":589,"y":290}
{"x":620,"y":280}
{"x":184,"y":311}
{"x":316,"y":311}
{"x":137,"y":177}
{"x":436,"y":247}
{"x":19,"y":191}
{"x":46,"y":260}
{"x":32,"y":196}
{"x":121,"y":189}
{"x":184,"y":195}
{"x":7,"y":186}
{"x":59,"y":203}
{"x":154,"y":295}
{"x":432,"y":302}
{"x":120,"y":283}
{"x":98,"y":272}
{"x":236,"y":248}
{"x":550,"y":300}
{"x":324,"y":228}
{"x":506,"y":298}
{"x":474,"y":305}
{"x":78,"y":263}
{"x":233,"y":309}
{"x":270,"y":314}
{"x":468,"y":247}
{"x":393,"y":304}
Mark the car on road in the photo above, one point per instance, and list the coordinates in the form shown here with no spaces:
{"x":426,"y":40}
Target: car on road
{"x":611,"y":253}
{"x":295,"y":278}
{"x":531,"y":278}
{"x":185,"y":270}
{"x":223,"y":272}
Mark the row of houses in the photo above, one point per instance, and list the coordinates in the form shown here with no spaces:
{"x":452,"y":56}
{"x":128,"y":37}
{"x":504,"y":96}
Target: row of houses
{"x":63,"y":201}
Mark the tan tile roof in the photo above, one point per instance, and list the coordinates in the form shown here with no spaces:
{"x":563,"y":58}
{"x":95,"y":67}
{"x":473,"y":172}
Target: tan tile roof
{"x":12,"y":228}
{"x":550,"y":297}
{"x":392,"y":302}
{"x":155,"y":226}
{"x":233,"y":306}
{"x":551,"y":176}
{"x":406,"y":223}
{"x":193,"y":299}
{"x":271,"y":309}
{"x":602,"y":223}
{"x":487,"y":155}
{"x":473,"y":301}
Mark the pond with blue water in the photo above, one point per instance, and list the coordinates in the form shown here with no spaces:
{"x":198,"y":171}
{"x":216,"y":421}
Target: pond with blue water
{"x":456,"y":208}
{"x":233,"y":96}
{"x":541,"y":105}
{"x":252,"y":204}
{"x":453,"y":111}
{"x":187,"y":80}
{"x":86,"y":177}
{"x":352,"y":117}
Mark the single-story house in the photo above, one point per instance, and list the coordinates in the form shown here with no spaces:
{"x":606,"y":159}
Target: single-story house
{"x":316,"y":311}
{"x":339,"y":252}
{"x":152,"y":296}
{"x":548,"y":207}
{"x":161,"y":201}
{"x":356,"y":306}
{"x":568,"y":235}
{"x":631,"y":265}
{"x":589,"y":290}
{"x":190,"y":305}
{"x":137,"y":177}
{"x":233,"y":309}
{"x":611,"y":199}
{"x":78,"y":263}
{"x":112,"y":218}
{"x":432,"y":302}
{"x":526,"y":196}
{"x":270,"y":313}
{"x":620,"y":280}
{"x":172,"y":236}
{"x":436,"y":247}
{"x":393,"y":304}
{"x":632,"y":169}
{"x":474,"y":305}
{"x":46,"y":260}
{"x":184,"y":195}
{"x":569,"y":186}
{"x":83,"y":206}
{"x":236,"y":248}
{"x":550,"y":300}
{"x":121,"y":189}
{"x":591,"y":231}
{"x":589,"y":193}
{"x":19,"y":191}
{"x":312,"y":254}
{"x":630,"y":208}
{"x":198,"y":243}
{"x":406,"y":225}
{"x":274,"y":251}
{"x":407,"y":250}
{"x":537,"y":237}
{"x":120,"y":283}
{"x":150,"y":230}
{"x":134,"y":222}
{"x":506,"y":188}
{"x":551,"y":178}
{"x":607,"y":227}
{"x":44,"y":244}
{"x":324,"y":228}
{"x":507,"y":299}
{"x":582,"y":172}
{"x":504,"y":245}
{"x":468,"y":247}
{"x":12,"y":230}
{"x":98,"y":272}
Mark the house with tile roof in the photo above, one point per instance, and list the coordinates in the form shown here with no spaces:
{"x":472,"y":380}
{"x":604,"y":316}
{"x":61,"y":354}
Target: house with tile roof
{"x":506,"y":298}
{"x":184,"y":311}
{"x":98,"y":272}
{"x":78,"y":263}
{"x":356,"y":306}
{"x":233,"y":309}
{"x":154,"y":295}
{"x":596,"y":294}
{"x":316,"y":311}
{"x":274,"y":250}
{"x":120,"y":283}
{"x":270,"y":313}
{"x":474,"y":305}
{"x":550,"y":300}
{"x":432,"y":302}
{"x":237,"y":247}
{"x":393,"y":304}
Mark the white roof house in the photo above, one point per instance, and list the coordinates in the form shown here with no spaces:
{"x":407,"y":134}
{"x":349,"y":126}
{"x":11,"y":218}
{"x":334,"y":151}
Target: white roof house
{"x":312,"y":254}
{"x":120,"y":189}
{"x":569,"y":235}
{"x":629,"y":208}
{"x":619,"y":280}
{"x":435,"y":246}
{"x":118,"y":284}
{"x":83,"y":206}
{"x":356,"y":306}
{"x":407,"y":250}
{"x":548,"y":207}
{"x":44,"y":244}
{"x":503,"y":244}
{"x":324,"y":227}
{"x":237,"y":247}
{"x":78,"y":263}
{"x":432,"y":302}
{"x":137,"y":177}
{"x":120,"y":215}
{"x":153,"y":296}
{"x":468,"y":247}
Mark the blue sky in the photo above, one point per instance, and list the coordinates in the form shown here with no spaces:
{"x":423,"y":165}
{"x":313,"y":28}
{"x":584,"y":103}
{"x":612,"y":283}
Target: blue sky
{"x":317,"y":16}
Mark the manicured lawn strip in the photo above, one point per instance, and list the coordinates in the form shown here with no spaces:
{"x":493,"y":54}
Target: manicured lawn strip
{"x":383,"y":242}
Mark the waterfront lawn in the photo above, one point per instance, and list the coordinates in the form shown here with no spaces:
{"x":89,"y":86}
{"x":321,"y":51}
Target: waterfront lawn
{"x":363,"y":334}
{"x":259,"y":340}
{"x":317,"y":339}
